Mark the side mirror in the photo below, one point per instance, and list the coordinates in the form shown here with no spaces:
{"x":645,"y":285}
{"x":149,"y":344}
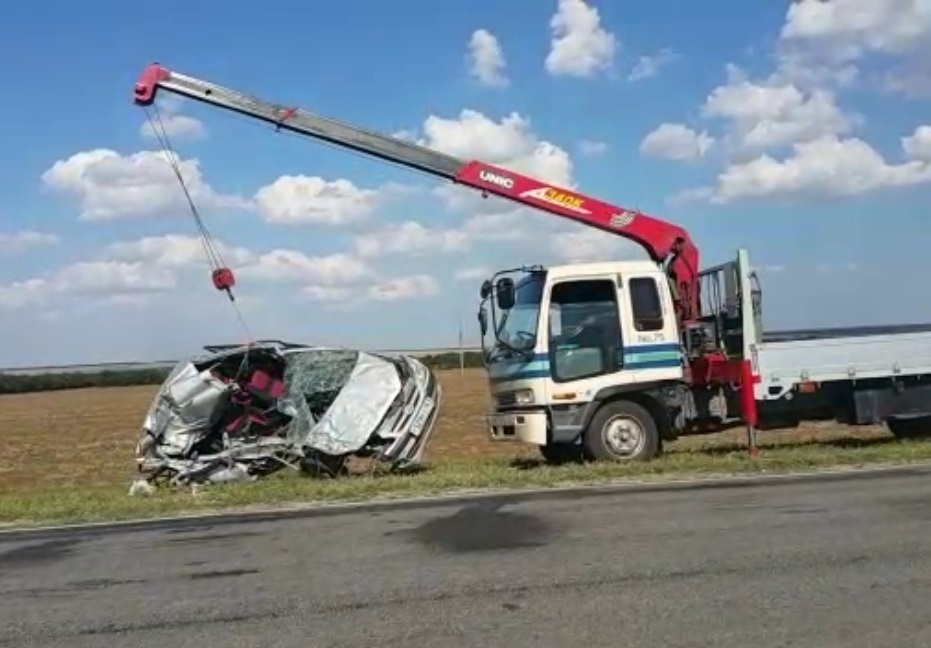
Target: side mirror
{"x":504,"y":292}
{"x":485,"y":291}
{"x":483,"y":321}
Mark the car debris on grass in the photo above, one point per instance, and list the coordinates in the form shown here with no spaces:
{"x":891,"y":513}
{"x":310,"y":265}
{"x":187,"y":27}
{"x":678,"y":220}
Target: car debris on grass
{"x":242,"y":412}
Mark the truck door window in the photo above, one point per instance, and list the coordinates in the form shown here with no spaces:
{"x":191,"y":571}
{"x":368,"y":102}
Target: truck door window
{"x":645,"y":304}
{"x":585,"y":333}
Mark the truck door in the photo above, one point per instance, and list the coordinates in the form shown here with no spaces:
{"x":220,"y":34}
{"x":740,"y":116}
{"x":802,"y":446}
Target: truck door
{"x":649,"y":328}
{"x":584,"y":337}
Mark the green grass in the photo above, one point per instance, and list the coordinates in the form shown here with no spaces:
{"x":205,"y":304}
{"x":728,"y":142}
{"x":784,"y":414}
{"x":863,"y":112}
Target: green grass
{"x":446,"y":476}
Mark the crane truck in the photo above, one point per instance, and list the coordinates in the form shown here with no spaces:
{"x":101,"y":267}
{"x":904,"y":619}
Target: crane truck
{"x":609,"y":360}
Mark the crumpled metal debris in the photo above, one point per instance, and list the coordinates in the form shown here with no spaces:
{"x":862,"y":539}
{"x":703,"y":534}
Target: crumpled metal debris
{"x":239,"y":413}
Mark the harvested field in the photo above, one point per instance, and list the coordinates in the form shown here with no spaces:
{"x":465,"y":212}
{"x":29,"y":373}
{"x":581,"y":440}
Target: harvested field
{"x":69,"y":455}
{"x":85,"y":437}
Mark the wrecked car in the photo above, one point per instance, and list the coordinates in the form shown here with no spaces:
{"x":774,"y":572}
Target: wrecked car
{"x":244,"y":412}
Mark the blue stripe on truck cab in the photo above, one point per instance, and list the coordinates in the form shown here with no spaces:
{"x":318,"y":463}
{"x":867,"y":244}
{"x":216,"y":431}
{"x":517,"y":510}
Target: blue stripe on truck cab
{"x":642,"y":356}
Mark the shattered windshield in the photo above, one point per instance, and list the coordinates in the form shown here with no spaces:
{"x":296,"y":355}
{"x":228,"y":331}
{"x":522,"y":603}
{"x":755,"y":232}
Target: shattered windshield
{"x":313,"y":379}
{"x":517,"y":327}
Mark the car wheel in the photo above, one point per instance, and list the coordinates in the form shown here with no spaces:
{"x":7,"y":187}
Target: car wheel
{"x":621,"y":431}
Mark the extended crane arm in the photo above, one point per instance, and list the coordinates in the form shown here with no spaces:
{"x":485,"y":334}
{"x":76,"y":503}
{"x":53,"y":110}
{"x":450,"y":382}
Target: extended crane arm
{"x":665,"y":242}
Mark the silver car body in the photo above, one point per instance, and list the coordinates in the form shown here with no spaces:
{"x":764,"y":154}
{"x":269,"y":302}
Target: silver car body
{"x":331,"y":403}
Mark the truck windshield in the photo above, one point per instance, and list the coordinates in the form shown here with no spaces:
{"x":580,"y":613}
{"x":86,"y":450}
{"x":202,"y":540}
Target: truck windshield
{"x":517,"y":327}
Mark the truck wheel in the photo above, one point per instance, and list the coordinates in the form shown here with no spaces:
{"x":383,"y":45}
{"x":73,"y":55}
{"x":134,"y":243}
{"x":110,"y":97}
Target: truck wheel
{"x":621,"y":431}
{"x":561,"y":453}
{"x":912,"y":427}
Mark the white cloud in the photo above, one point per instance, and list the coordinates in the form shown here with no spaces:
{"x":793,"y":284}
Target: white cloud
{"x":409,"y":237}
{"x":89,"y":279}
{"x":830,"y":42}
{"x":178,"y":252}
{"x":176,"y":127}
{"x":486,"y":59}
{"x":170,"y":121}
{"x":408,"y":287}
{"x":826,"y":166}
{"x":108,"y":277}
{"x":592,"y":147}
{"x":413,"y":238}
{"x":579,"y":45}
{"x":788,"y":134}
{"x":300,"y":200}
{"x":175,"y":251}
{"x":686,"y":196}
{"x":917,"y":146}
{"x":582,"y":245}
{"x":109,"y":186}
{"x":332,"y":277}
{"x":506,"y":226}
{"x":162,"y":264}
{"x":649,"y":66}
{"x":557,"y":240}
{"x":23,"y":293}
{"x":775,"y":114}
{"x":282,"y":265}
{"x":912,"y":80}
{"x":858,"y":27}
{"x":509,"y":143}
{"x":676,"y":142}
{"x":474,"y":273}
{"x":333,"y":294}
{"x":17,"y":241}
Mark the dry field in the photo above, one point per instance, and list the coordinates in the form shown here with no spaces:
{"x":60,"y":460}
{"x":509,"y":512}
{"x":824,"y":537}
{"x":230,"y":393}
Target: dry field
{"x":83,"y":439}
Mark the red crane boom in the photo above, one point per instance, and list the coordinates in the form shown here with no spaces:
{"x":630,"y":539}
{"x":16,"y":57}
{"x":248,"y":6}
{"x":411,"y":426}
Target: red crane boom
{"x":666,"y":243}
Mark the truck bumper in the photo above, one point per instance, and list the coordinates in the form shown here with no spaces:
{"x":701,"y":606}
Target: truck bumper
{"x":528,"y":427}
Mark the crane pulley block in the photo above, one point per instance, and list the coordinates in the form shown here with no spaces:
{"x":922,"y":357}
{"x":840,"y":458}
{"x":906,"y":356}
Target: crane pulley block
{"x":223,"y":279}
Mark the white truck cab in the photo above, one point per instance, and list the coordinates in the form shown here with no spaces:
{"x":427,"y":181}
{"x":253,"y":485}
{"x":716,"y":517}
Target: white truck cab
{"x":574,"y":335}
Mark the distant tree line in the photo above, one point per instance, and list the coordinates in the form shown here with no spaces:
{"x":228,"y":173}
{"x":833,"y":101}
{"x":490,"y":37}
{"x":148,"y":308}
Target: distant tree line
{"x":442,"y":361}
{"x":24,"y":384}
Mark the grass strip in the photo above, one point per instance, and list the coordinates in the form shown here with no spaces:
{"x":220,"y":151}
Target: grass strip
{"x":443,"y":476}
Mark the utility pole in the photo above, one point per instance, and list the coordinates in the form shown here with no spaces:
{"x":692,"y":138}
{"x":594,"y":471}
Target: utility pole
{"x":461,"y":350}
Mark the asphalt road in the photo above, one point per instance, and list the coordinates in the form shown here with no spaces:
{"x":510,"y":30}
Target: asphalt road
{"x":844,"y":564}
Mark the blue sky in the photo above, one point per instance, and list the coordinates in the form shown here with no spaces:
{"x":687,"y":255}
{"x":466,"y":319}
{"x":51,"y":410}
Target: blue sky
{"x":793,"y":130}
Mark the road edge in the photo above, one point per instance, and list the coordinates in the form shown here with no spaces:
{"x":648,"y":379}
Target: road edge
{"x":244,"y":515}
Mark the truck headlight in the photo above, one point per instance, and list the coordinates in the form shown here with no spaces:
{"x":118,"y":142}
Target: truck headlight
{"x":516,"y":398}
{"x":523,"y":397}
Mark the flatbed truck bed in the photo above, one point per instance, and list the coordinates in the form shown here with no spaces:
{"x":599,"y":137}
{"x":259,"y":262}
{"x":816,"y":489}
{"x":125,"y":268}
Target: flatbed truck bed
{"x":844,"y":332}
{"x":785,"y":363}
{"x":856,"y":376}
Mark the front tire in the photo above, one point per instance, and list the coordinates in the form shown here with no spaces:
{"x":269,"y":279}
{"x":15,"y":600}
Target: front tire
{"x":621,"y":430}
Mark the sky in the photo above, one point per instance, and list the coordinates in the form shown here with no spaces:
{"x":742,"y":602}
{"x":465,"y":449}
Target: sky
{"x":800,"y":131}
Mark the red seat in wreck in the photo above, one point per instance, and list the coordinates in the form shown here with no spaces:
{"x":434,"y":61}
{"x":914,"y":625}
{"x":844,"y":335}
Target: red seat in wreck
{"x":265,"y":386}
{"x":257,"y":399}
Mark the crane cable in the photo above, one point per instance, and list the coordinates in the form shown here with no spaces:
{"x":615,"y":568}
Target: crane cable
{"x":221,"y":275}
